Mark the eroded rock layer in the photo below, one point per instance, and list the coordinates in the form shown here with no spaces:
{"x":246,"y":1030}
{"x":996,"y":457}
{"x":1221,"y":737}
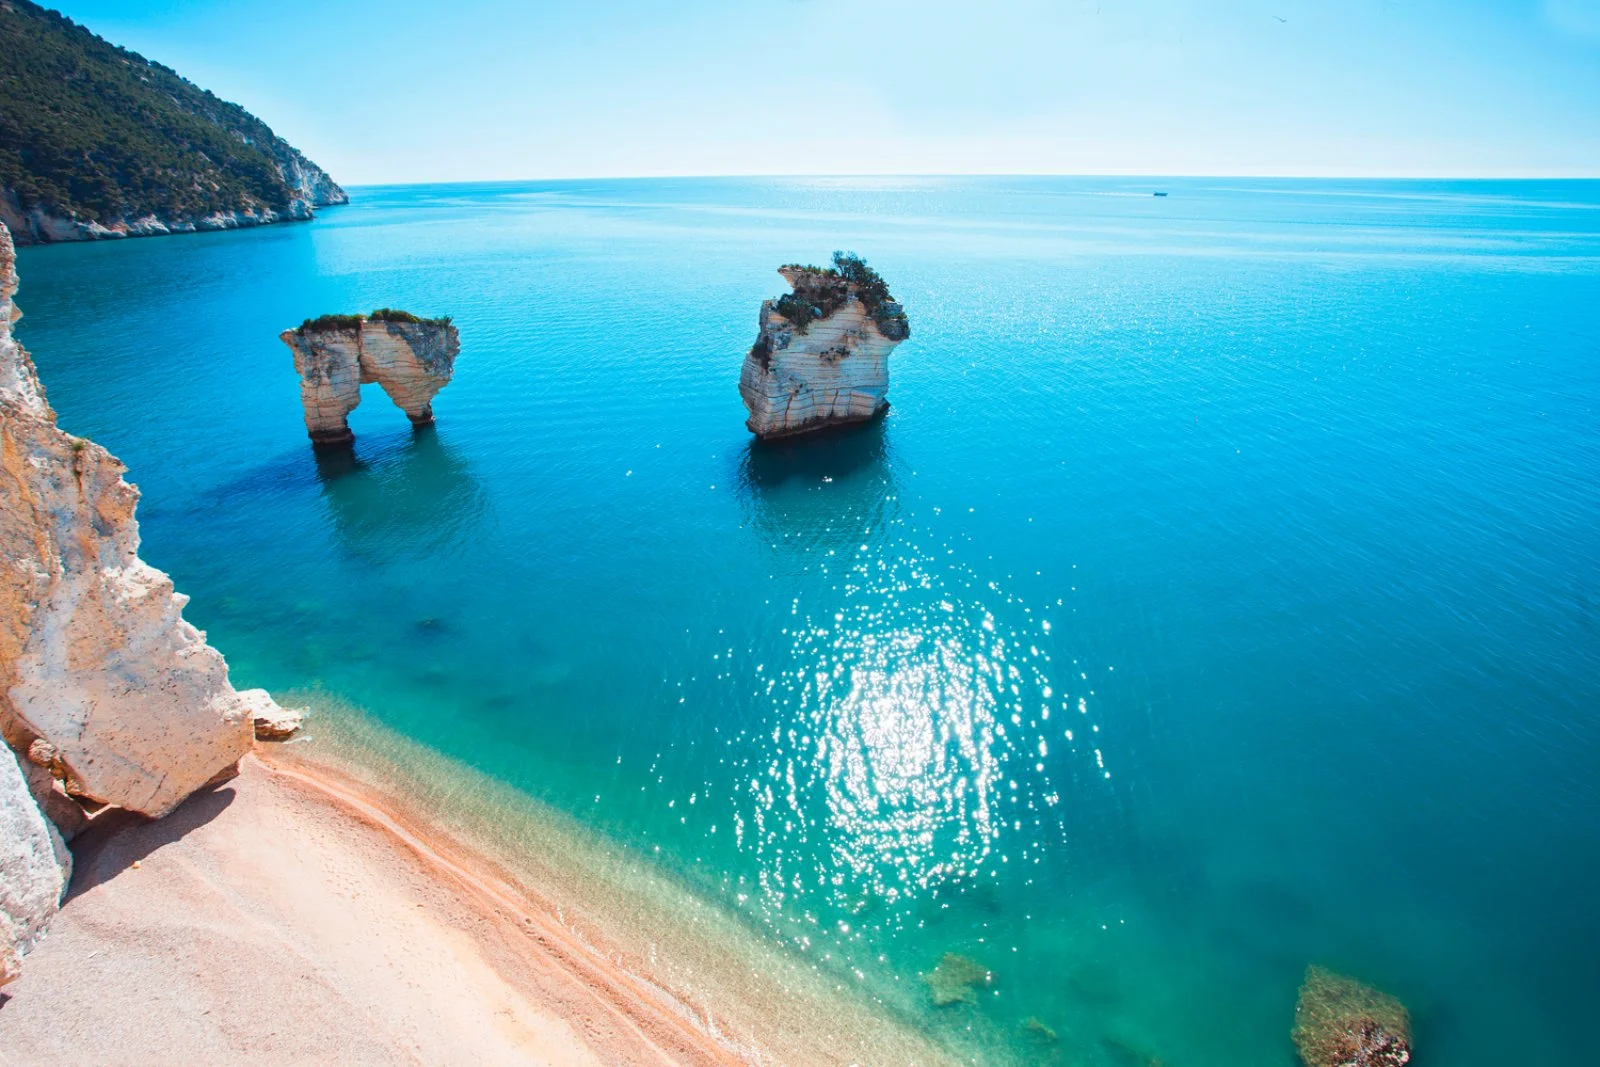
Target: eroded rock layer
{"x":411,"y":361}
{"x":822,"y":356}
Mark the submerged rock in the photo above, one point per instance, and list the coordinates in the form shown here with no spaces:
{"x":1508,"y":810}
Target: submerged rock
{"x":1039,"y":1030}
{"x":954,"y":980}
{"x":410,"y":358}
{"x":822,"y":356}
{"x":1338,"y":1022}
{"x":96,"y":660}
{"x":1127,"y":1053}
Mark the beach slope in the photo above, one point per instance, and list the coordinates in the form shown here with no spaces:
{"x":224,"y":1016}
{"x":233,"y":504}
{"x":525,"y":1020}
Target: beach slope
{"x":282,"y":918}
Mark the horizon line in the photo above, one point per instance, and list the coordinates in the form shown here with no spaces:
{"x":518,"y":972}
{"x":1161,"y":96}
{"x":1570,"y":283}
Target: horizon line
{"x":1128,"y":176}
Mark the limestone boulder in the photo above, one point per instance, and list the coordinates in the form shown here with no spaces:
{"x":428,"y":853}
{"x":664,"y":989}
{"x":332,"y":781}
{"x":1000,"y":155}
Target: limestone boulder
{"x":35,"y":867}
{"x":46,"y":776}
{"x":271,"y":721}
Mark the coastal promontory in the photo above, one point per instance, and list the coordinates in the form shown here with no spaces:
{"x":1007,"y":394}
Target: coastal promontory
{"x":822,"y":355}
{"x":97,"y":141}
{"x":410,"y":358}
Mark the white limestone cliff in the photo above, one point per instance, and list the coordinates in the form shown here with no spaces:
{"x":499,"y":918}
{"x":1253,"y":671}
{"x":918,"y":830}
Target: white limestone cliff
{"x":42,"y":227}
{"x":410,"y":358}
{"x":822,"y":356}
{"x":132,"y":706}
{"x":108,"y":696}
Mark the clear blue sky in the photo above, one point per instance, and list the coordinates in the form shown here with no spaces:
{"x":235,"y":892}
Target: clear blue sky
{"x":405,"y":90}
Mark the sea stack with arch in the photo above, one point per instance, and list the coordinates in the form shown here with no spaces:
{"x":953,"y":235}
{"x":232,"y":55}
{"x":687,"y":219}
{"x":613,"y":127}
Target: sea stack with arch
{"x":822,"y":356}
{"x":412,"y":359}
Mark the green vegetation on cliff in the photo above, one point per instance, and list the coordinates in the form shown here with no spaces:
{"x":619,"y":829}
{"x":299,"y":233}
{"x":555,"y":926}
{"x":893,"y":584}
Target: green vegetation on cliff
{"x":93,"y":132}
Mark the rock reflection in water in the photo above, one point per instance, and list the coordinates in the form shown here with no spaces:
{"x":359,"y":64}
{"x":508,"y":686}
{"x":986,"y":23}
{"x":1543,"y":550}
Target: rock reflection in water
{"x":404,"y":493}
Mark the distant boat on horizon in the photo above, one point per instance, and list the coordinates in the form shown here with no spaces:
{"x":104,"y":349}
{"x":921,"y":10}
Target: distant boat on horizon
{"x":1160,"y":194}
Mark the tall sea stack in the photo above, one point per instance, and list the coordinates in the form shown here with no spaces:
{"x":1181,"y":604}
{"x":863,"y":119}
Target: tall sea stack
{"x":822,"y":356}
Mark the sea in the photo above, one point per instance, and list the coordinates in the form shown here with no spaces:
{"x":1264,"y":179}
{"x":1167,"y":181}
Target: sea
{"x":1219,"y":596}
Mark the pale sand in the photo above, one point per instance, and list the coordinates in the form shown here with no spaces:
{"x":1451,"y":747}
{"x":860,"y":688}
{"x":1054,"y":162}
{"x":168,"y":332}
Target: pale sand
{"x":285,"y":917}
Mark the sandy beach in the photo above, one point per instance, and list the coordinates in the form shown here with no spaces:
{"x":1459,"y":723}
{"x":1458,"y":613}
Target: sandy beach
{"x":282,"y":917}
{"x":357,"y":900}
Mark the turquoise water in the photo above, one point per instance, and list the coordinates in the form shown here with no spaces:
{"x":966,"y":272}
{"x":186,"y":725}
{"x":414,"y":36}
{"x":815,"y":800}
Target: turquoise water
{"x":1219,"y":595}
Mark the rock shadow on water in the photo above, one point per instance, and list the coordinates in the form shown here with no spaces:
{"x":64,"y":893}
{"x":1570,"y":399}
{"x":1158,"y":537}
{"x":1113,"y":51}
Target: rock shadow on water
{"x":827,"y":487}
{"x":400,"y":493}
{"x":960,"y":903}
{"x":837,"y":452}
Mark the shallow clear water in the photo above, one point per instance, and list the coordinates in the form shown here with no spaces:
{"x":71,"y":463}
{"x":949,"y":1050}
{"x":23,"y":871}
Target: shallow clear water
{"x":1219,"y":595}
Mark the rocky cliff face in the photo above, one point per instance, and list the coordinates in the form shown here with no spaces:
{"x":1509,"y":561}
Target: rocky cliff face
{"x":306,"y":186}
{"x":822,"y":356}
{"x":410,"y":358}
{"x":106,"y":693}
{"x":311,"y":184}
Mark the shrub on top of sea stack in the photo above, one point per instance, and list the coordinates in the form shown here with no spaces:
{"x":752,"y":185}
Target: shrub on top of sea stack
{"x":1338,"y":1022}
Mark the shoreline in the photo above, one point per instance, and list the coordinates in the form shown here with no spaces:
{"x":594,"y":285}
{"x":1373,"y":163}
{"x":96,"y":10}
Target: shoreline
{"x":279,"y":917}
{"x":676,"y":947}
{"x":36,"y":228}
{"x":651,"y":1012}
{"x":391,"y":927}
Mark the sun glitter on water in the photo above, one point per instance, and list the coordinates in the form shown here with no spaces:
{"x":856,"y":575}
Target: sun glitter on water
{"x":911,"y":738}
